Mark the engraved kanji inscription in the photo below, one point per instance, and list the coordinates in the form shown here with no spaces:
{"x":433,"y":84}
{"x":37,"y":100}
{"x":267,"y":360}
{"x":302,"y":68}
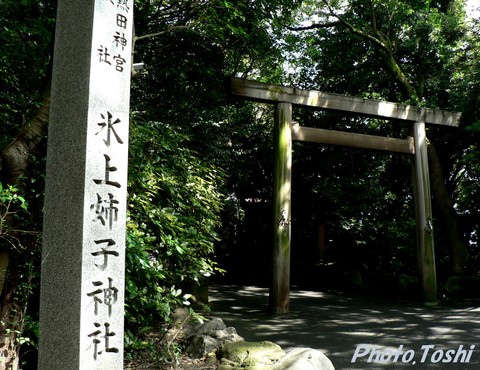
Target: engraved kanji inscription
{"x":119,"y":62}
{"x":107,"y":296}
{"x":106,"y":209}
{"x":123,"y":4}
{"x":97,"y":340}
{"x":103,"y":55}
{"x":108,"y":169}
{"x":108,"y":124}
{"x":119,"y":40}
{"x":93,"y":294}
{"x":121,"y":21}
{"x":105,"y":252}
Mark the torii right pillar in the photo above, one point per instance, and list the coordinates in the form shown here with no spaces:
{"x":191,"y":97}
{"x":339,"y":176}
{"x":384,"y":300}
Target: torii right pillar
{"x":282,"y":184}
{"x":423,"y":207}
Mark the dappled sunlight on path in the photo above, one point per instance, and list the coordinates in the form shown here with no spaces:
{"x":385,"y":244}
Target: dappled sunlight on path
{"x":338,"y":324}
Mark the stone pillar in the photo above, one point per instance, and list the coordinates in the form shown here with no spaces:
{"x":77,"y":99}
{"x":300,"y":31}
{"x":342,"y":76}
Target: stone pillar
{"x":282,"y":187}
{"x":83,"y":256}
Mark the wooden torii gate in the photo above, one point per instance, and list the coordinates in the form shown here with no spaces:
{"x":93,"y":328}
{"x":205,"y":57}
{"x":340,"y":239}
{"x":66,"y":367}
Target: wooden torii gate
{"x":284,"y":98}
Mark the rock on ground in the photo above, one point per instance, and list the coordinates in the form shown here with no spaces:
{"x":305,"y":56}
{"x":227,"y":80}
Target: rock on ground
{"x":249,"y":355}
{"x":210,"y":337}
{"x":304,"y":359}
{"x":213,"y":345}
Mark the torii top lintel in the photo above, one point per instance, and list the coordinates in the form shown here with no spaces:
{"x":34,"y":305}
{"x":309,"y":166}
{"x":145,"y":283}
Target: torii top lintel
{"x":275,"y":93}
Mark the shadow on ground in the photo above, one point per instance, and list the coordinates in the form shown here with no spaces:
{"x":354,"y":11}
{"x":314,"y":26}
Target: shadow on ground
{"x":339,"y":324}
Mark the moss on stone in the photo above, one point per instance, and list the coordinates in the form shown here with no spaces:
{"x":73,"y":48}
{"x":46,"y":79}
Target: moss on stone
{"x":249,"y":355}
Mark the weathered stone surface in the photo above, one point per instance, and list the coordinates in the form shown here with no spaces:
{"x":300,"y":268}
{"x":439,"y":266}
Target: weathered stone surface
{"x":184,"y":326}
{"x":304,"y":359}
{"x":211,"y":327}
{"x":202,"y":345}
{"x":228,"y":335}
{"x":249,"y":355}
{"x":233,"y":353}
{"x":229,"y":365}
{"x":83,"y":264}
{"x":209,"y":337}
{"x":180,"y":315}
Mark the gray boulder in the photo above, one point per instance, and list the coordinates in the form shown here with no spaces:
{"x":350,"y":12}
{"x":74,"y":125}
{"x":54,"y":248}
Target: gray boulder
{"x":304,"y":359}
{"x":183,"y":325}
{"x":249,"y":355}
{"x":211,"y":327}
{"x":201,"y":345}
{"x":209,"y":337}
{"x":228,"y":335}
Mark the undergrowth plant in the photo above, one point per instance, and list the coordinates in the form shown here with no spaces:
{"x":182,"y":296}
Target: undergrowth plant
{"x":173,"y":216}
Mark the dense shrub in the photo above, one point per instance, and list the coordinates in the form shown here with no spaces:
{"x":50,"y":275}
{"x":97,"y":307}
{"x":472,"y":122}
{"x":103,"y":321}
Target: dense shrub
{"x":173,"y":214}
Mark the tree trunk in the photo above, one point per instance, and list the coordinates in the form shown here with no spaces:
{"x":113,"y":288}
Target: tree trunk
{"x":458,"y":251}
{"x":392,"y":66}
{"x":17,"y":155}
{"x":12,"y":322}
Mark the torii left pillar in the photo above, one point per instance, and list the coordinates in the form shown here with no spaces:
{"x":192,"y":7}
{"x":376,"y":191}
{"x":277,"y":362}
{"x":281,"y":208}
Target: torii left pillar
{"x":424,"y":216}
{"x":280,"y":288}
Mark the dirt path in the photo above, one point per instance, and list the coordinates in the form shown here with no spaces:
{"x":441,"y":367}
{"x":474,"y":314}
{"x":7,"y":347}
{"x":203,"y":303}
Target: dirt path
{"x":345,"y":327}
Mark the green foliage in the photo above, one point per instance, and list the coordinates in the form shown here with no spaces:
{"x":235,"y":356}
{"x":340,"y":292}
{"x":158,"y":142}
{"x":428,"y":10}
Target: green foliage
{"x":436,"y":49}
{"x":422,"y":36}
{"x":174,"y":198}
{"x":19,"y":238}
{"x":173,"y":216}
{"x":9,"y":196}
{"x":363,"y":198}
{"x":463,"y":287}
{"x":26,"y":32}
{"x":467,"y":195}
{"x":11,"y":203}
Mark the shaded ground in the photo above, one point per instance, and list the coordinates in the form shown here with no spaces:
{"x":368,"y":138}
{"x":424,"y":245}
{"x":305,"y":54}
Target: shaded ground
{"x":338,"y":324}
{"x":184,"y":363}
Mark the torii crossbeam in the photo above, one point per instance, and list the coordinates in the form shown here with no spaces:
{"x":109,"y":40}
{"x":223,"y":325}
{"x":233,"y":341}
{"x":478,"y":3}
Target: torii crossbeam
{"x":285,"y":131}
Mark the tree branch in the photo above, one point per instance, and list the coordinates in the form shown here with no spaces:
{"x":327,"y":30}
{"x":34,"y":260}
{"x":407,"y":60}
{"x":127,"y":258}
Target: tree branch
{"x":386,"y":51}
{"x":151,"y":35}
{"x":170,"y":29}
{"x":313,"y":26}
{"x":361,"y":33}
